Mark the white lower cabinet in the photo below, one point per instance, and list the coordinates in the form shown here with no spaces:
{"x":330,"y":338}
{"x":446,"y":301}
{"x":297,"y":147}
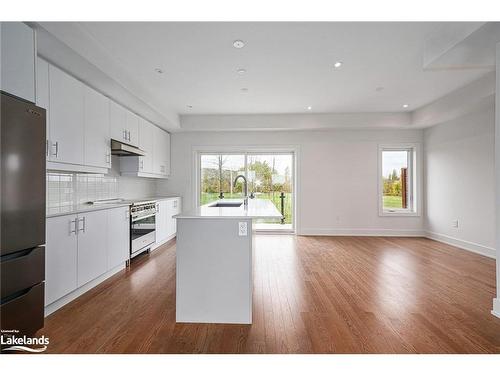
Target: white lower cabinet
{"x":173,"y":208}
{"x":161,"y":221}
{"x":83,"y":247}
{"x":118,"y":236}
{"x":165,"y":223}
{"x":60,"y":257}
{"x":92,"y":244}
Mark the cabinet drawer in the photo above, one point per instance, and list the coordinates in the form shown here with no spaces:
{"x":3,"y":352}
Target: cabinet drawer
{"x":25,"y":312}
{"x":22,"y":272}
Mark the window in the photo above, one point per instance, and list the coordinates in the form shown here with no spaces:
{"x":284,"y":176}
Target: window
{"x":270,"y":176}
{"x":397,"y":180}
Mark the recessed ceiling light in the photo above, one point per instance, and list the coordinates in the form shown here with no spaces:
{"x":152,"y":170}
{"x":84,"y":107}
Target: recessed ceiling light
{"x":241,"y":71}
{"x":190,"y":106}
{"x":380,"y":88}
{"x":244,"y":89}
{"x":338,"y":64}
{"x":309,"y":108}
{"x":238,"y":44}
{"x":405,"y":105}
{"x":159,"y":71}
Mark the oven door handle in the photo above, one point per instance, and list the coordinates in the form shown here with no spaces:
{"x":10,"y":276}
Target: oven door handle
{"x":135,"y":219}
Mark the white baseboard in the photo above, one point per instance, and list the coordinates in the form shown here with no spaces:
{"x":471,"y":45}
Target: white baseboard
{"x":466,"y":245}
{"x":56,"y":305}
{"x":496,"y":307}
{"x":362,"y":232}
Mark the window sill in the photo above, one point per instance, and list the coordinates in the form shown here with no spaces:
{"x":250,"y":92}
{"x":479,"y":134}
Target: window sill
{"x":399,"y":213}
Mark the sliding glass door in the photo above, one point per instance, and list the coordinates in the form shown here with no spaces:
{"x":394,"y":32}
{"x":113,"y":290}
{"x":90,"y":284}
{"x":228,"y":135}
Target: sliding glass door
{"x":270,"y":176}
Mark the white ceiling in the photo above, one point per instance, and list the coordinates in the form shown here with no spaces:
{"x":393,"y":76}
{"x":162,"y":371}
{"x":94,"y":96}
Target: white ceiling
{"x":289,"y":65}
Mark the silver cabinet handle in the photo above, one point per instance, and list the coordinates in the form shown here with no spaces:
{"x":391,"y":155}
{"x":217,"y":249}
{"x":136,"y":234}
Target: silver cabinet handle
{"x":56,"y":146}
{"x":82,"y":229}
{"x":46,"y":147}
{"x":74,"y":227}
{"x":175,"y":204}
{"x":142,"y":164}
{"x":124,"y":134}
{"x":129,"y":135}
{"x":108,"y":158}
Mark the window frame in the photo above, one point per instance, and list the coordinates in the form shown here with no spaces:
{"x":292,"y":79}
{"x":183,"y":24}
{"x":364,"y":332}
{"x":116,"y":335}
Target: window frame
{"x":415,"y":180}
{"x":294,"y":150}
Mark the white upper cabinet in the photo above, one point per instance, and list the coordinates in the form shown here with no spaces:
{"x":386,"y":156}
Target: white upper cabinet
{"x":156,"y":143}
{"x":92,"y":242}
{"x":124,"y":124}
{"x":146,"y":137}
{"x":132,"y":128}
{"x":66,"y":117}
{"x":97,"y":141}
{"x":161,"y":150}
{"x":166,"y":153}
{"x":42,"y":94}
{"x":18,"y":60}
{"x":118,"y":121}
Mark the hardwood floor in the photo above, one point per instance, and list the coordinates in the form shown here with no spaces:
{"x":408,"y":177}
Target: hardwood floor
{"x":311,"y":295}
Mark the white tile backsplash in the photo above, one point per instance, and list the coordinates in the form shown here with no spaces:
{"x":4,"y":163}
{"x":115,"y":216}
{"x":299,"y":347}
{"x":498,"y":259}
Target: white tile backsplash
{"x":65,"y":189}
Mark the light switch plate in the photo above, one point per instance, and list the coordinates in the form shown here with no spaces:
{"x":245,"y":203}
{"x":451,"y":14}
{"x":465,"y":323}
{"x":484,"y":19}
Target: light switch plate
{"x":242,"y":228}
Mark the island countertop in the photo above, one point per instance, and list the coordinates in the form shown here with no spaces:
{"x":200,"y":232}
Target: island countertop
{"x":257,"y":209}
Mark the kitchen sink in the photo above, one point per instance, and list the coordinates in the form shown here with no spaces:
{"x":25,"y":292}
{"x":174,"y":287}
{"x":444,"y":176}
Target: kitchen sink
{"x":226,"y":204}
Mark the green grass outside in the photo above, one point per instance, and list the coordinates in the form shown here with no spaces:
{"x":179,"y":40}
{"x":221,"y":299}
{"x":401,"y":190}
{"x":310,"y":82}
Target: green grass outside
{"x":211,"y":197}
{"x":391,"y":201}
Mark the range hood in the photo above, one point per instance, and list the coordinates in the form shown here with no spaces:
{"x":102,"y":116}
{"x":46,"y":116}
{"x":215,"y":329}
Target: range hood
{"x":121,"y":149}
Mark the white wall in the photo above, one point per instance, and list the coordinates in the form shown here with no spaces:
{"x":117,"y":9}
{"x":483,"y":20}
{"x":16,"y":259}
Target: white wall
{"x":338,"y":176}
{"x":459,"y":180}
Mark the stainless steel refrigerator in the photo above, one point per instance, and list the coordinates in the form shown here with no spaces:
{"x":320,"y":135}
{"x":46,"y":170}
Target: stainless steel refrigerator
{"x":22,"y":219}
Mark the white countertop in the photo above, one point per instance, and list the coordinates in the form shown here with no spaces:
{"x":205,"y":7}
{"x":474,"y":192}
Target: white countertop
{"x":86,"y":207}
{"x":257,"y":209}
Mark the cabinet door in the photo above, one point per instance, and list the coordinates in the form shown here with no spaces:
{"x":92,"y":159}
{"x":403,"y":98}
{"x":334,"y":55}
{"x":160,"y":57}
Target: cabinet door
{"x":97,"y":142}
{"x":92,"y":254}
{"x":66,"y":117}
{"x":18,"y":60}
{"x":161,"y":152}
{"x":173,"y":208}
{"x":118,"y":122}
{"x":42,"y":95}
{"x":161,"y":221}
{"x":132,"y":127}
{"x":166,"y":154}
{"x":118,"y":236}
{"x":146,"y":137}
{"x":60,"y":257}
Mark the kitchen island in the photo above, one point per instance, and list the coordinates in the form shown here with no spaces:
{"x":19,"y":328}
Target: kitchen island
{"x":214,"y":260}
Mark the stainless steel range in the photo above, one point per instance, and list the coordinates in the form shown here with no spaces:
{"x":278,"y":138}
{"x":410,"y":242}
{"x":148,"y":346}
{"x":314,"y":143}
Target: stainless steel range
{"x":142,"y":226}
